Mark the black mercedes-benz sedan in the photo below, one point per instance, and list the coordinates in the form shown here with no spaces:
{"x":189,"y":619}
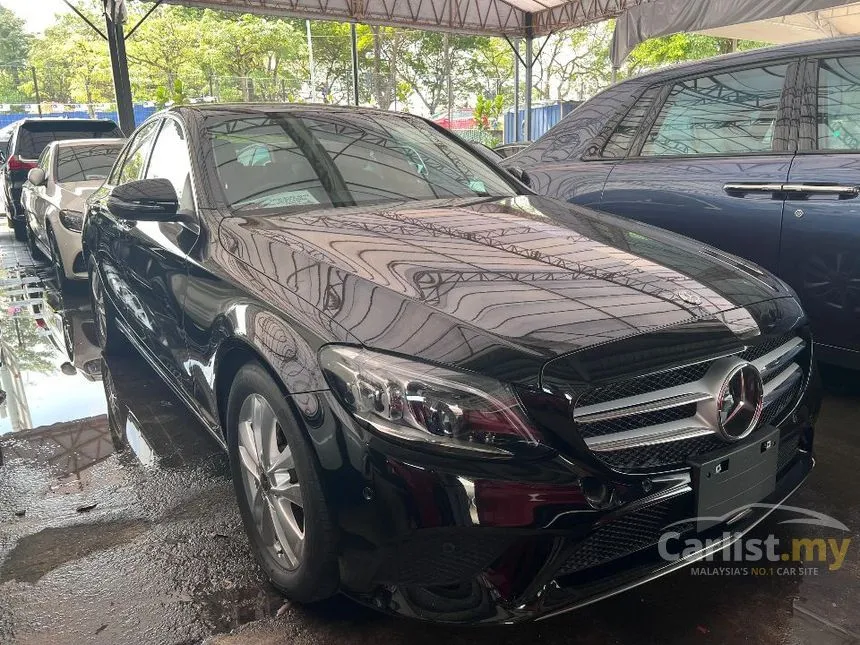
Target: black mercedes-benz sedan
{"x":441,"y":394}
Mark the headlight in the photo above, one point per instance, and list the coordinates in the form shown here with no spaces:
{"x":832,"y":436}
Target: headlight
{"x":416,"y":402}
{"x":72,"y":220}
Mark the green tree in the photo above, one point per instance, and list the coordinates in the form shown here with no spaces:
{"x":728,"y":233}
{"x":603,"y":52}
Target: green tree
{"x":665,"y":50}
{"x":490,"y":65}
{"x":164,"y":49}
{"x":174,"y":95}
{"x":14,"y":51}
{"x":260,"y":56}
{"x":71,"y":62}
{"x":428,"y":60}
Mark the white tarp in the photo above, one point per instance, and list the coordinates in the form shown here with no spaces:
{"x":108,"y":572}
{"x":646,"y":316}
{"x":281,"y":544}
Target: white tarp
{"x":664,"y":17}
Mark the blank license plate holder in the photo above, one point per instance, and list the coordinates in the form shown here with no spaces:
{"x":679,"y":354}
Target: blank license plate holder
{"x":728,"y":480}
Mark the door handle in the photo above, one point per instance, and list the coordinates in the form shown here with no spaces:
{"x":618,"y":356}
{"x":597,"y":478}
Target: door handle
{"x":822,"y":189}
{"x":840,"y":190}
{"x":752,"y":187}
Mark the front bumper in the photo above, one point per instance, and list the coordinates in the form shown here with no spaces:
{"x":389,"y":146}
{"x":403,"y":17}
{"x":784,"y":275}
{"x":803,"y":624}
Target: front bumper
{"x":434,"y":540}
{"x":70,"y":251}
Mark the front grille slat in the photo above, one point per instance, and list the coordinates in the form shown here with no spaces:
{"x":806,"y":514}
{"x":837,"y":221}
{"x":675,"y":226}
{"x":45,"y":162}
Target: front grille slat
{"x":775,"y":361}
{"x":656,"y":421}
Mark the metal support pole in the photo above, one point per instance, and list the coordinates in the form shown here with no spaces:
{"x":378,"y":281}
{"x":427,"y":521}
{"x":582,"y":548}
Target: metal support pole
{"x":529,"y":68}
{"x":121,"y":84}
{"x":518,"y":135}
{"x":311,"y":61}
{"x":354,"y":38}
{"x":448,"y":88}
{"x":36,"y":90}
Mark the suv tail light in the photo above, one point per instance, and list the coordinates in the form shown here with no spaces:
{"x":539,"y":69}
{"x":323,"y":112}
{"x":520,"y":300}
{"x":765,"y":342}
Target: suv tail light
{"x":16,"y":163}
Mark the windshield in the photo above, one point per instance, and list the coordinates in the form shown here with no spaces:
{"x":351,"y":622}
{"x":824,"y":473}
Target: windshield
{"x":81,"y":163}
{"x":306,"y":160}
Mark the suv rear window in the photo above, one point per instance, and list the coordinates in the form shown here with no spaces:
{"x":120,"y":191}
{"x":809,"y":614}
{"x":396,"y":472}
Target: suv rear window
{"x":34,"y":136}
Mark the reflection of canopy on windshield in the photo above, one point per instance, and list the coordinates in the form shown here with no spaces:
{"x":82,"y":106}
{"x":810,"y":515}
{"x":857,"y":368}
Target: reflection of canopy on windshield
{"x":309,"y":159}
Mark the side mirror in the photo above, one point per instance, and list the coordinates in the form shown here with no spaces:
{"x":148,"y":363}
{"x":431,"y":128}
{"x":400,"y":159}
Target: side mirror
{"x":36,"y":176}
{"x":147,"y":200}
{"x":521,"y":175}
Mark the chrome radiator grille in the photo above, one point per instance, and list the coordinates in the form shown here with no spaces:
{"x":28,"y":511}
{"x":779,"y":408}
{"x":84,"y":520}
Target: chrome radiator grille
{"x":661,"y":419}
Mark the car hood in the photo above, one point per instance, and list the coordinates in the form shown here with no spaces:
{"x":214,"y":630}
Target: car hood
{"x":500,"y":286}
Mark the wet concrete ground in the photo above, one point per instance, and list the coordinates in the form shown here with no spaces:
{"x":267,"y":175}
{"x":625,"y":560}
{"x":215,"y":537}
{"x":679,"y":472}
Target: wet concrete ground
{"x":118,"y":522}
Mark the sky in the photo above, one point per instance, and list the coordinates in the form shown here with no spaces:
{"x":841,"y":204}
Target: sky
{"x":37,"y":14}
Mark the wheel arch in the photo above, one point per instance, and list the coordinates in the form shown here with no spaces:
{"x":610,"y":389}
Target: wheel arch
{"x":232,"y":354}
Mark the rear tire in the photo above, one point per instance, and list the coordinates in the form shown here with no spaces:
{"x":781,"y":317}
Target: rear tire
{"x":108,"y":335}
{"x":20,"y":227}
{"x":278,"y":489}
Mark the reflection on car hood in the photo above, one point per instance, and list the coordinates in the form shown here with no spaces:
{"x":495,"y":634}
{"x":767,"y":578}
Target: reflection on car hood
{"x":74,"y":194}
{"x":475,"y":282}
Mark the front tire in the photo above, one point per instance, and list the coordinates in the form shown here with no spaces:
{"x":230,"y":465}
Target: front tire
{"x":35,"y":253}
{"x":108,"y":335}
{"x":278,"y":488}
{"x":57,"y":261}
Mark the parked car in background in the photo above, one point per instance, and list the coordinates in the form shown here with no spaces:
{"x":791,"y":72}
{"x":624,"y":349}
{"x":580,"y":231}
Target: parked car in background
{"x":28,"y":140}
{"x":757,"y":154}
{"x":451,"y":398}
{"x":5,"y":136}
{"x":54,"y":199}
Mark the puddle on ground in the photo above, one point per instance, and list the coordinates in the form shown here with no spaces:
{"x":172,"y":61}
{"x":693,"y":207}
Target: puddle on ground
{"x":37,"y":554}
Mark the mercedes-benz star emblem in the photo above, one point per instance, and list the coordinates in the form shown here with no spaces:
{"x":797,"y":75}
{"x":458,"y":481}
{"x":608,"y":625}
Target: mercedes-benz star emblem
{"x":739,"y":403}
{"x":689,"y":297}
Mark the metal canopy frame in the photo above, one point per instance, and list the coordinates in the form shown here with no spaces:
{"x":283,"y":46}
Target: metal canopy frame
{"x":514,"y":18}
{"x":511,"y":19}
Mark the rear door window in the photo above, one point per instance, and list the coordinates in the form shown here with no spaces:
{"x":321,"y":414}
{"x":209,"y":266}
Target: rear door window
{"x":839,"y":103}
{"x":34,"y":136}
{"x":719,"y":114}
{"x":623,"y":136}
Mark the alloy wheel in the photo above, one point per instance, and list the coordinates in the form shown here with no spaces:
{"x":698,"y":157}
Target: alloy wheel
{"x":270,"y":481}
{"x":99,"y":306}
